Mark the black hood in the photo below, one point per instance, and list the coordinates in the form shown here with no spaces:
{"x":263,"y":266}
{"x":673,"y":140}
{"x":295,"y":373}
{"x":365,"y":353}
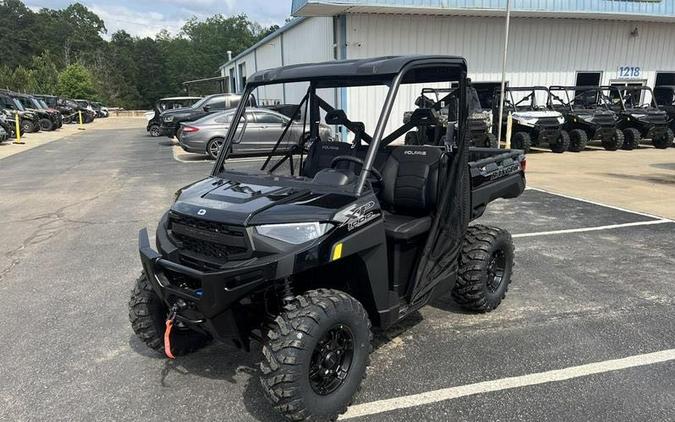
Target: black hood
{"x":244,"y":204}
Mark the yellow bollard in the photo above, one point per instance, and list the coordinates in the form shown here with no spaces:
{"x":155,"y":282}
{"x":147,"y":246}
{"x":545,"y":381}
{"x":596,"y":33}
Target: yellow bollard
{"x":18,"y":129}
{"x":81,"y":122}
{"x":509,"y":127}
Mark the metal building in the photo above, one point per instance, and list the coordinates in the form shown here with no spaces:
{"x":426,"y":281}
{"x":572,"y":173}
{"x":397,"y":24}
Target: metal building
{"x":551,"y":41}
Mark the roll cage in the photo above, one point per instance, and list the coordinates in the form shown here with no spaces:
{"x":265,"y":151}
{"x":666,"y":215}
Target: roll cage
{"x":526,"y":103}
{"x":584,"y":97}
{"x":624,"y":98}
{"x":391,"y":72}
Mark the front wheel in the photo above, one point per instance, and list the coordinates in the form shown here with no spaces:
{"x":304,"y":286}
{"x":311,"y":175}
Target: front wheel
{"x":578,"y":140}
{"x":664,"y":141}
{"x":631,"y":139}
{"x":490,"y":141}
{"x":613,"y":142}
{"x":214,"y":146}
{"x":316,"y":355}
{"x":147,"y":314}
{"x":154,"y":131}
{"x":562,"y":142}
{"x":28,"y":126}
{"x":46,"y":125}
{"x":522,"y":140}
{"x":485,"y":267}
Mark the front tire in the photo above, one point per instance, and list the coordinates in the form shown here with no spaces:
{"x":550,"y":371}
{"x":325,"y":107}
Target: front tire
{"x":147,"y":314}
{"x":614,"y":142}
{"x":664,"y":141}
{"x":522,"y":140}
{"x":631,"y":139}
{"x":46,"y":125}
{"x":561,"y":144}
{"x":578,"y":140}
{"x":485,"y":267}
{"x":316,"y":355}
{"x":28,"y":126}
{"x":490,"y":141}
{"x":214,"y":146}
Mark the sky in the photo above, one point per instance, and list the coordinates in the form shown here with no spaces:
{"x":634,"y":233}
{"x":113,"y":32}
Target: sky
{"x":146,"y":18}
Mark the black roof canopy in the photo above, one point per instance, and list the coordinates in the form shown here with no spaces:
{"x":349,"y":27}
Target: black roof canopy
{"x":372,"y":71}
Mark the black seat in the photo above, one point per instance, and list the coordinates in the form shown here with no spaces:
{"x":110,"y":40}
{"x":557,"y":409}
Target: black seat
{"x":321,"y":154}
{"x":410,"y":179}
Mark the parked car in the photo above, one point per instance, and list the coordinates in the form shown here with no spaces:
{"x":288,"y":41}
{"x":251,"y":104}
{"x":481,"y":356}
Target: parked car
{"x":100,"y":110}
{"x":28,"y":121}
{"x":306,"y":264}
{"x":639,"y":116}
{"x":263,"y":129}
{"x":171,"y":119}
{"x":665,"y":98}
{"x":48,"y":120}
{"x":163,"y":104}
{"x":587,"y":116}
{"x":533,"y":123}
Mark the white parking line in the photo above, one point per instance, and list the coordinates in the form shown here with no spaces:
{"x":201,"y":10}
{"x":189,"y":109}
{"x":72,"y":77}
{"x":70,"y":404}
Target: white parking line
{"x":436,"y":396}
{"x":593,"y":229}
{"x":588,"y":201}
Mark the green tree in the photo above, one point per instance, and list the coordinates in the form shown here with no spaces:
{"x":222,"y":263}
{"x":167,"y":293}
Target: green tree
{"x":44,"y":74}
{"x":76,"y":82}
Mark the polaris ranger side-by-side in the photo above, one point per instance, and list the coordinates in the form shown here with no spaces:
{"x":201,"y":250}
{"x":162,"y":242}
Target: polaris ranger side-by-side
{"x":29,"y":122}
{"x":352,"y":234}
{"x":665,"y":98}
{"x":533,"y":123}
{"x":587,"y":116}
{"x":639,"y":117}
{"x":445,"y":113}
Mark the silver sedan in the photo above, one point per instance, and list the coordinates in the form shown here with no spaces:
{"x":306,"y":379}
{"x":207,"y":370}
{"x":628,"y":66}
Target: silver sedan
{"x":263,"y":129}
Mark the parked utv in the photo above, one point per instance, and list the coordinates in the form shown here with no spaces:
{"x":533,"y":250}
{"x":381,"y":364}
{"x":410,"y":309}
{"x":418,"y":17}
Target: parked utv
{"x":639,"y":117}
{"x":155,"y":122}
{"x":171,"y":119}
{"x":445,"y":99}
{"x":665,"y":98}
{"x":4,"y":129}
{"x":29,"y":122}
{"x":100,"y":110}
{"x":533,"y":123}
{"x":88,"y":112}
{"x":56,"y":114}
{"x":587,"y":116}
{"x":8,"y":122}
{"x":366,"y":233}
{"x":48,"y":121}
{"x":55,"y":103}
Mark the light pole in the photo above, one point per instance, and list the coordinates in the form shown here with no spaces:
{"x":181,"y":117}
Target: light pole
{"x":506,"y":49}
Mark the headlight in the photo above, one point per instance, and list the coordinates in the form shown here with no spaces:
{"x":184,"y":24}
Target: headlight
{"x":168,"y":119}
{"x":528,"y":122}
{"x":295,"y":233}
{"x":561,"y":120}
{"x":639,"y":116}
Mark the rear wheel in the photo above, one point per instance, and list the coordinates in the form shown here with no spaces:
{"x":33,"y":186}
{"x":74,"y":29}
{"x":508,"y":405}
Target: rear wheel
{"x":578,"y":140}
{"x":664,"y":141}
{"x":485,"y":267}
{"x":522,"y":140}
{"x":27,"y":126}
{"x":562,"y":142}
{"x":490,"y":141}
{"x":154,"y":131}
{"x":614,"y":142}
{"x":316,"y":355}
{"x":631,"y":139}
{"x":214,"y":146}
{"x":148,"y":313}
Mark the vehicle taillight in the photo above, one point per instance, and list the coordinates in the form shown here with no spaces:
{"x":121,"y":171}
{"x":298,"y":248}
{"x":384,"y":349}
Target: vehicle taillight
{"x":523,"y":165}
{"x":190,"y":129}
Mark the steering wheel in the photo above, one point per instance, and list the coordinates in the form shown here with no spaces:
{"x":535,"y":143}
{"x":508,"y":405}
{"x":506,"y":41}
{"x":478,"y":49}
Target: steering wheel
{"x":375,"y":172}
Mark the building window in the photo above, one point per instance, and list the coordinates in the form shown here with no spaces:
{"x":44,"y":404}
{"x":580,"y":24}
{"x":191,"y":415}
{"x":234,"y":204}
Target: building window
{"x":242,"y":76}
{"x":665,"y":78}
{"x":233,"y":81}
{"x":588,"y":78}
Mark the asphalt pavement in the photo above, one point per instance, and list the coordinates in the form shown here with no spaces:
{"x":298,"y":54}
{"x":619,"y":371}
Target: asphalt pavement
{"x":591,"y":284}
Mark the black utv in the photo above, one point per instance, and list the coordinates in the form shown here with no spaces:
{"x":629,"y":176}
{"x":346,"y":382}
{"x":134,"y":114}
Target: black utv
{"x":665,"y":98}
{"x":55,"y":103}
{"x":306,"y":253}
{"x":29,"y":122}
{"x":445,"y":115}
{"x":639,"y":116}
{"x":533,"y":123}
{"x":587,"y":115}
{"x":163,"y":104}
{"x":48,"y":120}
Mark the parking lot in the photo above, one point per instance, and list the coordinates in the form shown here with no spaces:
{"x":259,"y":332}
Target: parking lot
{"x":593,"y":285}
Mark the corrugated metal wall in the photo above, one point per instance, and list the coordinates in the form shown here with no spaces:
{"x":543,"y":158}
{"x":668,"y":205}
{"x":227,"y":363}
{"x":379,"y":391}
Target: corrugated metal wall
{"x":541,"y":51}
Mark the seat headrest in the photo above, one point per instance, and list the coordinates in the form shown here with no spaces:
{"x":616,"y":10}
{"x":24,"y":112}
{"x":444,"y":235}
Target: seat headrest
{"x":336,"y":117}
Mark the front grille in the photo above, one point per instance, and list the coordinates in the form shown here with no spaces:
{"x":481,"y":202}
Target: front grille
{"x":548,"y":122}
{"x":604,"y":120}
{"x":204,"y":243}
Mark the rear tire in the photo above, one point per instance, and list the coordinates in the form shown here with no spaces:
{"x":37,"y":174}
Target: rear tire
{"x":147,"y":314}
{"x":664,"y":141}
{"x":578,"y":140}
{"x":316,"y":355}
{"x":613,"y":142}
{"x":46,"y":125}
{"x":631,"y":139}
{"x":214,"y":146}
{"x":28,"y":126}
{"x":522,"y":140}
{"x":561,"y":144}
{"x":485,"y":267}
{"x":490,"y":141}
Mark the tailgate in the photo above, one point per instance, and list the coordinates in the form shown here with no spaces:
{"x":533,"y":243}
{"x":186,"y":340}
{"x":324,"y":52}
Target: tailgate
{"x":495,"y":173}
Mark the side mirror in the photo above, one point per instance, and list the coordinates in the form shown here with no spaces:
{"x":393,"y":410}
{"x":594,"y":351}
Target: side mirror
{"x":207,"y":108}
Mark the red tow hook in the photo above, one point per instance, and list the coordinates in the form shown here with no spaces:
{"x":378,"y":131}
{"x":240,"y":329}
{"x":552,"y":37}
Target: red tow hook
{"x":167,"y":332}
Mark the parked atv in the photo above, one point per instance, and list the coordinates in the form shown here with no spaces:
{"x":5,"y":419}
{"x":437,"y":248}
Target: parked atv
{"x":443,"y":105}
{"x":29,"y":122}
{"x":587,"y":116}
{"x":4,"y":130}
{"x":56,"y":114}
{"x":8,"y":123}
{"x":48,"y":121}
{"x":88,"y":112}
{"x":172,"y":103}
{"x":304,"y":263}
{"x":639,"y":117}
{"x":55,"y":103}
{"x":665,"y":98}
{"x":533,"y":123}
